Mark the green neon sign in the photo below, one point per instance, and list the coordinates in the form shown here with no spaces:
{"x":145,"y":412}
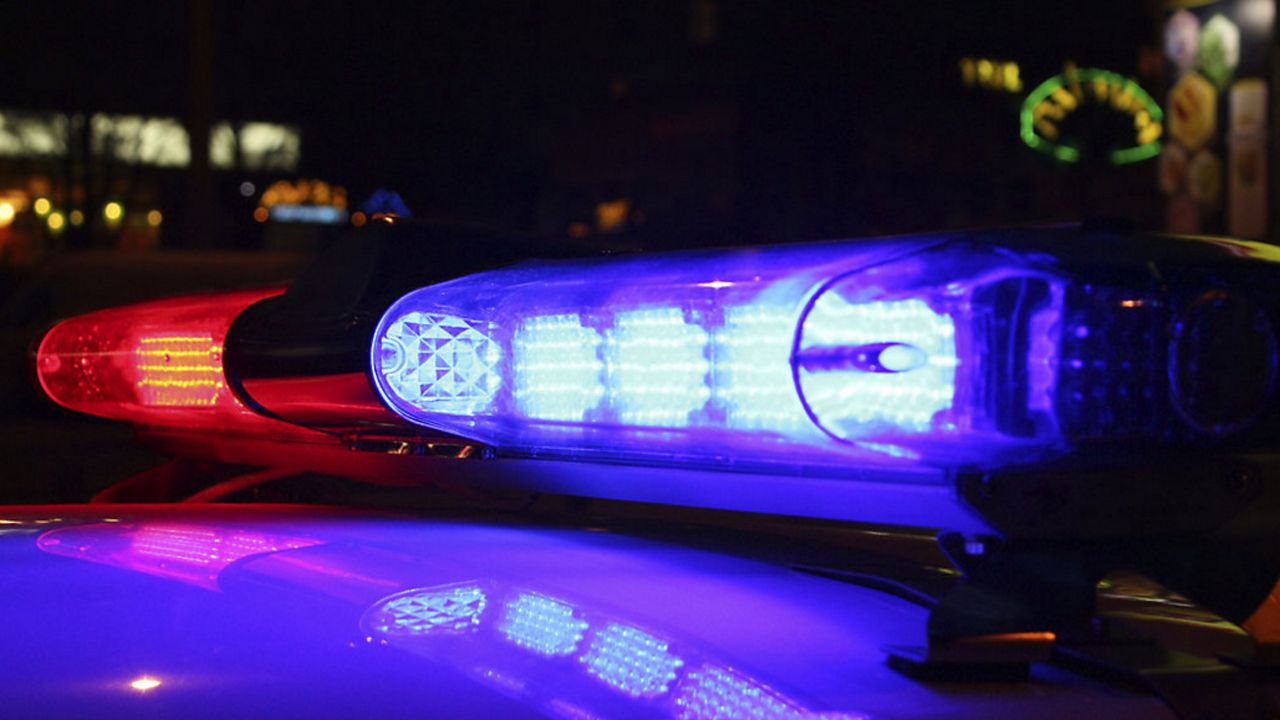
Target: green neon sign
{"x":1056,"y":98}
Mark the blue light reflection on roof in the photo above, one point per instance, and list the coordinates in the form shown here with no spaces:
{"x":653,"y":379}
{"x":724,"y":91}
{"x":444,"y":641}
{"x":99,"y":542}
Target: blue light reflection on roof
{"x":631,"y":661}
{"x":428,"y":611}
{"x":718,"y":693}
{"x":541,"y":624}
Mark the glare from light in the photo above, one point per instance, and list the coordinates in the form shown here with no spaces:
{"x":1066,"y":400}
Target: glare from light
{"x":76,"y":217}
{"x":154,"y":218}
{"x":922,"y":341}
{"x":247,"y":189}
{"x":144,"y":684}
{"x":113,"y":211}
{"x":6,"y":213}
{"x":261,"y":214}
{"x":42,"y":206}
{"x":56,"y":222}
{"x":358,"y":219}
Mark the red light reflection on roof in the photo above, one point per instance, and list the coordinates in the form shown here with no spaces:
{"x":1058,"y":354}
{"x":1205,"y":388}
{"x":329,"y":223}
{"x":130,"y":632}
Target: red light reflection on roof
{"x":186,"y":552}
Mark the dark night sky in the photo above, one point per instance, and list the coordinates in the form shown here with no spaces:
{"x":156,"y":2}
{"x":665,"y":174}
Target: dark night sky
{"x":838,"y":111}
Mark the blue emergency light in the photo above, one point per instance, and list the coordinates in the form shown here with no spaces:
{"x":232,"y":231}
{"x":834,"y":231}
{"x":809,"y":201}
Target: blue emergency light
{"x":947,"y":350}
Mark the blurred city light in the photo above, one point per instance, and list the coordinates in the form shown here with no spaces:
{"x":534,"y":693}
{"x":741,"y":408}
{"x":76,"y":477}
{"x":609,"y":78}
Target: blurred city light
{"x":7,"y":212}
{"x":260,"y":214}
{"x":358,"y":219}
{"x":154,"y":218}
{"x":1257,"y":15}
{"x":76,"y":217}
{"x":1054,"y":100}
{"x":150,"y":140}
{"x":611,"y":215}
{"x":56,"y":222}
{"x":1002,"y":75}
{"x":247,"y":189}
{"x":113,"y":212}
{"x":42,"y":206}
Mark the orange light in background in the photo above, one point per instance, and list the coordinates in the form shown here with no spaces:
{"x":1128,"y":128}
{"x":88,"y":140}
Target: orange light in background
{"x":56,"y":222}
{"x":579,"y":230}
{"x":260,"y":214}
{"x":611,"y":215}
{"x":7,"y":212}
{"x":154,"y":218}
{"x":42,"y":206}
{"x":304,"y":192}
{"x":182,"y":370}
{"x":358,"y":219}
{"x":76,"y":217}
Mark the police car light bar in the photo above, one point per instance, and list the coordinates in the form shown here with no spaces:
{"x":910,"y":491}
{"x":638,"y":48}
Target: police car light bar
{"x":935,"y":350}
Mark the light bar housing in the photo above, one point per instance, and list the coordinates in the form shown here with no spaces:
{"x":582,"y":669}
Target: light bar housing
{"x":975,"y":349}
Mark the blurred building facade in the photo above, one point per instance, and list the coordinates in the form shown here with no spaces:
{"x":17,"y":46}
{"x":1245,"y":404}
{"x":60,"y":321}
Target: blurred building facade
{"x":690,"y":122}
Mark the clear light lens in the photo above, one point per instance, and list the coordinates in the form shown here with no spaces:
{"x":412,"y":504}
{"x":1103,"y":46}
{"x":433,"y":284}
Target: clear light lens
{"x":441,"y":362}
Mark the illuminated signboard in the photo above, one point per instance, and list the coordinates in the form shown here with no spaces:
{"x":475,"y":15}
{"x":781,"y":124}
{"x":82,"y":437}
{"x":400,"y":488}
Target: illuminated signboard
{"x":1055,"y":99}
{"x":305,"y":201}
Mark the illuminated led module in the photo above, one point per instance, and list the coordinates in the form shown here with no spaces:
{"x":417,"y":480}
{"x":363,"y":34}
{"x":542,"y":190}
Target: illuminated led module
{"x":658,"y":367}
{"x":559,"y":374}
{"x":179,"y":370}
{"x":901,"y":371}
